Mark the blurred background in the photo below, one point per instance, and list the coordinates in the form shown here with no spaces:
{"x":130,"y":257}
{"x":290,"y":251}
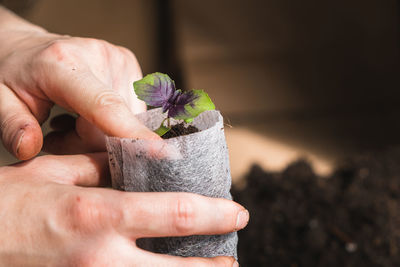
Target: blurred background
{"x":308,"y":79}
{"x":313,"y":78}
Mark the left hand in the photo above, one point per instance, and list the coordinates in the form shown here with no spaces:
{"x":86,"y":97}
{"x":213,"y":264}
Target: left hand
{"x":90,"y":77}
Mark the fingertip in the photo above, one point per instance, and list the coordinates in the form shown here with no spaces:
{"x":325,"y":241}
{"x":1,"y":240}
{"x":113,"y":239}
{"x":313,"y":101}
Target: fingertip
{"x":27,"y":141}
{"x":231,"y":215}
{"x":19,"y":129}
{"x":142,"y":132}
{"x":242,"y":219}
{"x":126,"y":125}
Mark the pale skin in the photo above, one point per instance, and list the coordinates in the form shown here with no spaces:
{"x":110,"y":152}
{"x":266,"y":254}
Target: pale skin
{"x":53,"y":209}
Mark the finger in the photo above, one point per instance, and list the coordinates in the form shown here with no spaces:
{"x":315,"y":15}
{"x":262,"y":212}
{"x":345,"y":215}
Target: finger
{"x":145,"y":257}
{"x":63,"y":122}
{"x":82,"y":170}
{"x":66,"y":143}
{"x":119,"y":251}
{"x":178,"y":214}
{"x":101,"y":106}
{"x":84,"y":138}
{"x":20,"y":132}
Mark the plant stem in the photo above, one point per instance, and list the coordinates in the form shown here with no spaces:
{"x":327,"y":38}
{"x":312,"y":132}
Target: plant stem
{"x":162,"y":129}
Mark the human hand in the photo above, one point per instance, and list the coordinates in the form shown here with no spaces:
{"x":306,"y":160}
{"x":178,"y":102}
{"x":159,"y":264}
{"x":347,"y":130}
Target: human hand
{"x":51,"y":217}
{"x":89,"y":77}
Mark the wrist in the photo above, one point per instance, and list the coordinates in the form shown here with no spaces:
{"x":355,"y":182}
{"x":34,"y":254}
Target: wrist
{"x":11,"y":22}
{"x":16,"y":32}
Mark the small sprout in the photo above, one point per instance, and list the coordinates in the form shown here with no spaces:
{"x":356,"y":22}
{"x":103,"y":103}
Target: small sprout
{"x":162,"y":129}
{"x":158,"y":90}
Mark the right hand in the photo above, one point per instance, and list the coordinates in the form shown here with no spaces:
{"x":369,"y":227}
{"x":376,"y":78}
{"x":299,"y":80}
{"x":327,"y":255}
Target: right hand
{"x":50,"y":216}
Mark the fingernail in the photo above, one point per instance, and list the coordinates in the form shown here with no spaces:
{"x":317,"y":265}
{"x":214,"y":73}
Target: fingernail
{"x":235,"y":264}
{"x":242,"y":219}
{"x":18,"y":140}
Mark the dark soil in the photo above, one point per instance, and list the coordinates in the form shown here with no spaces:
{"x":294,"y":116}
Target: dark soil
{"x":299,"y":219}
{"x":179,"y":130}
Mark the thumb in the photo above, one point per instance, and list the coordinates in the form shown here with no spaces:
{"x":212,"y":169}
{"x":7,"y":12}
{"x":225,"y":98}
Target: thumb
{"x":103,"y":107}
{"x":20,"y":132}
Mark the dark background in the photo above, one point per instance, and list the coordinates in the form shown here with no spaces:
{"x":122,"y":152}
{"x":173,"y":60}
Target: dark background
{"x":318,"y":77}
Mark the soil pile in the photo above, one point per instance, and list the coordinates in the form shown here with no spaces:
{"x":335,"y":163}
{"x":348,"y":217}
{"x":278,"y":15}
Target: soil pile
{"x":300,"y":219}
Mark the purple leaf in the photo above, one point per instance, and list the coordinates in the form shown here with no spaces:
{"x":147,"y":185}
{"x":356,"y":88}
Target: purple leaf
{"x":177,"y":108}
{"x":156,"y":90}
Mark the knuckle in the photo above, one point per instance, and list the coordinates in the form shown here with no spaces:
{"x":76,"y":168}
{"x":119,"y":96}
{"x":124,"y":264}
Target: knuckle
{"x":57,"y":50}
{"x":57,"y":56}
{"x":84,"y":213}
{"x":106,"y":99}
{"x":100,"y":47}
{"x":90,"y":213}
{"x":95,"y":44}
{"x":184,"y":214}
{"x":129,"y":58}
{"x":128,"y":53}
{"x":89,"y":41}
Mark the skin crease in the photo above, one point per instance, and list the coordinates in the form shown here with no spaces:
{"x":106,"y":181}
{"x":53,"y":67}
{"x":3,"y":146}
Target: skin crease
{"x":53,"y":211}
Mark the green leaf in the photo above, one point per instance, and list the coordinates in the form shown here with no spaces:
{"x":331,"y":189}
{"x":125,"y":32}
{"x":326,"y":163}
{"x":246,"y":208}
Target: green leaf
{"x":201,"y":102}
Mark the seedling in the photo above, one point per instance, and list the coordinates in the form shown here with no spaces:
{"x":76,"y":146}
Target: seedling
{"x":158,"y":90}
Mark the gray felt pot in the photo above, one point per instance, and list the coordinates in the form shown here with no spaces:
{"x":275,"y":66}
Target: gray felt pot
{"x":196,"y":163}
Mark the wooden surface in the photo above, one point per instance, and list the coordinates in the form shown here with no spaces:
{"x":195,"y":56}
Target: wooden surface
{"x":313,"y":78}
